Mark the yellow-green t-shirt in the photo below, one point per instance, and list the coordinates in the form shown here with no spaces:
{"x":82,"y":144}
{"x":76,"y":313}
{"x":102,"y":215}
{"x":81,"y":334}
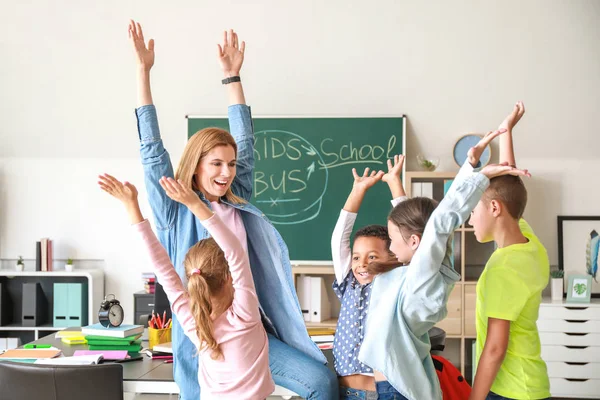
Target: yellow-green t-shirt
{"x":510,"y":288}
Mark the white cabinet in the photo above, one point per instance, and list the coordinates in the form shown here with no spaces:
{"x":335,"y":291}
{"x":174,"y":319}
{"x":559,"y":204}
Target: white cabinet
{"x":570,"y":338}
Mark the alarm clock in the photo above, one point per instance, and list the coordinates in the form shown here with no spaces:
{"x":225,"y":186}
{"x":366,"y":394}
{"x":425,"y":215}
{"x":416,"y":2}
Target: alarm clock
{"x":110,"y":313}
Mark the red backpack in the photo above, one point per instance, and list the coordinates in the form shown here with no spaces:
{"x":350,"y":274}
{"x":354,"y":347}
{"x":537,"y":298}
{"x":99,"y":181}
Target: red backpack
{"x":454,"y":385}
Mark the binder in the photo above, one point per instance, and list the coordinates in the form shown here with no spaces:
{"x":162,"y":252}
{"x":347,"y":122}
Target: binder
{"x":61,"y":305}
{"x":5,"y":308}
{"x":74,"y":308}
{"x":304,"y":295}
{"x":68,"y":305}
{"x":34,"y":312}
{"x":320,"y":307}
{"x":427,"y":189}
{"x":415,"y":189}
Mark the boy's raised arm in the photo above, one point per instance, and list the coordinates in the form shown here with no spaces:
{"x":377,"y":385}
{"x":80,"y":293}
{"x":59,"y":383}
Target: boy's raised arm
{"x":507,"y":154}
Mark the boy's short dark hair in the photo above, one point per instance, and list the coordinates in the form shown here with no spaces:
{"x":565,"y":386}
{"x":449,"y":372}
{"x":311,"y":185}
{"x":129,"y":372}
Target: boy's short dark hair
{"x":511,"y":191}
{"x":377,"y":231}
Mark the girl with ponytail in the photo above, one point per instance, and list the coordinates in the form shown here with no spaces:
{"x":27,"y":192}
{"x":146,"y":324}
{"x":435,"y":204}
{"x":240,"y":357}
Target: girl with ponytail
{"x":219,"y":310}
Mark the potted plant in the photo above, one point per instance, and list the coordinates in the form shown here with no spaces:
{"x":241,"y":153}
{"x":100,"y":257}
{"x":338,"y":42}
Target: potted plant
{"x":428,"y":164}
{"x":20,"y":264}
{"x":69,"y":265}
{"x":557,"y":284}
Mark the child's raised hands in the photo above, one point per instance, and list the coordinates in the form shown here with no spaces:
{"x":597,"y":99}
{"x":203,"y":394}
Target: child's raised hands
{"x":176,"y":191}
{"x":394,"y":169}
{"x":494,"y":170}
{"x":367,"y":180}
{"x":476,"y":151}
{"x":125,"y":192}
{"x":514,"y":117}
{"x":144,"y":55}
{"x":231,"y":54}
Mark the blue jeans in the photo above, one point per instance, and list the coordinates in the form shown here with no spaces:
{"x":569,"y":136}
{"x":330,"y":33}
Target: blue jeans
{"x":494,"y":396}
{"x":300,"y":373}
{"x":347,"y":393}
{"x":385,"y":391}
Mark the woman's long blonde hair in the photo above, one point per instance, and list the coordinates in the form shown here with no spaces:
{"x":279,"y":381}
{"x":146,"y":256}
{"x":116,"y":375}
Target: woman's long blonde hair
{"x":197,"y":147}
{"x":206,"y":257}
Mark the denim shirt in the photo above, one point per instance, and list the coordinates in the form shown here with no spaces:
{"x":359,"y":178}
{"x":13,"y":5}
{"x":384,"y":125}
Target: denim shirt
{"x":408,"y":301}
{"x":178,"y":230}
{"x":350,"y":329}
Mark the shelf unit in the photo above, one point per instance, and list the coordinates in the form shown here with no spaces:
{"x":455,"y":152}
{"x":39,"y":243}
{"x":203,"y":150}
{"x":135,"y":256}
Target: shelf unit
{"x":470,"y":258}
{"x":92,"y":279}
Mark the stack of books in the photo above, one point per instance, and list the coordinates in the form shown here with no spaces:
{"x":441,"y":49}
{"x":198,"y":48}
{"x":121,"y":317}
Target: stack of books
{"x":162,"y":351}
{"x":43,"y":255}
{"x":124,"y":337}
{"x":149,"y":282}
{"x":323,"y":337}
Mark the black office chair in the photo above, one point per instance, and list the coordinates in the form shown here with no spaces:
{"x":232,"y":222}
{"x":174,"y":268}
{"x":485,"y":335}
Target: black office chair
{"x":60,"y":382}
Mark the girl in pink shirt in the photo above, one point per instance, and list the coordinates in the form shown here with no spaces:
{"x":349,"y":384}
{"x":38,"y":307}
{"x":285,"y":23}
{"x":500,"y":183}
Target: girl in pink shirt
{"x":219,"y":310}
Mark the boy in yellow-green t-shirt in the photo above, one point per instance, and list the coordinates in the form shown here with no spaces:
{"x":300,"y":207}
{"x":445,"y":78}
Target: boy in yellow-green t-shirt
{"x":509,"y":291}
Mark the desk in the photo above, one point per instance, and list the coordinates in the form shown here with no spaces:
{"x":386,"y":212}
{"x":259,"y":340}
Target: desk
{"x":145,"y":376}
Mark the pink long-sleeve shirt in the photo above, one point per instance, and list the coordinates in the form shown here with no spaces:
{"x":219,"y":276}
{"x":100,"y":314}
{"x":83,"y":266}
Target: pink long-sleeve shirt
{"x":244,"y":372}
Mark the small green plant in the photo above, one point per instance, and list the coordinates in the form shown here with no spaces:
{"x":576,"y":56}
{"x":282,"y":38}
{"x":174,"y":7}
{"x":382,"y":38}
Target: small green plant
{"x":557,"y":274}
{"x":20,"y":261}
{"x":69,"y":261}
{"x":580,"y":288}
{"x":429,"y":164}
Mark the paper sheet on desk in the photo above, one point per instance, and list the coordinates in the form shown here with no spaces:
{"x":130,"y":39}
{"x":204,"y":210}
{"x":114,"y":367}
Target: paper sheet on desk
{"x":75,"y":360}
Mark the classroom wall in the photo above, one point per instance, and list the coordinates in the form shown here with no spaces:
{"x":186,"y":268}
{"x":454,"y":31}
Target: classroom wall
{"x":68,"y":93}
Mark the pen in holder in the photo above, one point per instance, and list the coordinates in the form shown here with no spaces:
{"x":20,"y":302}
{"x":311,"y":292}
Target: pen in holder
{"x":159,"y":329}
{"x":158,"y":336}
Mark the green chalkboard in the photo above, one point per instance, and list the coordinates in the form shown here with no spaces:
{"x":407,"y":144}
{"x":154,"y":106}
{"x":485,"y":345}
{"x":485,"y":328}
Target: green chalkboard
{"x":303,"y":173}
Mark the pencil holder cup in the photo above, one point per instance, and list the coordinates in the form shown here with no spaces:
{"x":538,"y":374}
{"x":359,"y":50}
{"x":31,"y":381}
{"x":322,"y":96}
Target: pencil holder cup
{"x":158,"y":336}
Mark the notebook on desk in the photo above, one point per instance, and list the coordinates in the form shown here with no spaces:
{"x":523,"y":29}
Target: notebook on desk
{"x":29,"y":354}
{"x":106,"y":354}
{"x":163,"y":347}
{"x":75,"y":360}
{"x":121,"y":331}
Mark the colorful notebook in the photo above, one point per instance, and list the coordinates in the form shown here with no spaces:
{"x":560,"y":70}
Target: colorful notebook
{"x":122,"y":331}
{"x":135,"y":346}
{"x":29,"y":354}
{"x":107,"y":354}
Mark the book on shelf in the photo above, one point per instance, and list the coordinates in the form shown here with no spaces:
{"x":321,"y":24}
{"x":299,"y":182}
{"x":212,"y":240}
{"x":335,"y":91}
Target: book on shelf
{"x":43,"y":255}
{"x":121,"y":331}
{"x":320,"y":331}
{"x":325,"y":346}
{"x":149,"y":282}
{"x":322,"y":338}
